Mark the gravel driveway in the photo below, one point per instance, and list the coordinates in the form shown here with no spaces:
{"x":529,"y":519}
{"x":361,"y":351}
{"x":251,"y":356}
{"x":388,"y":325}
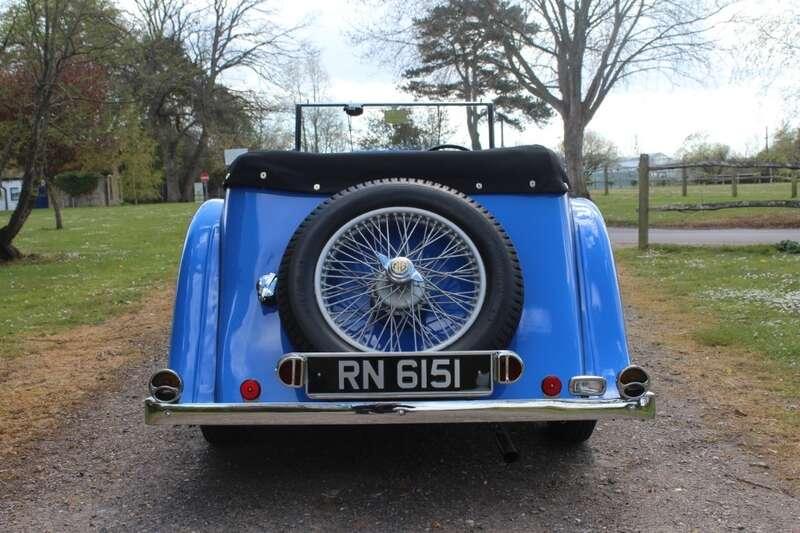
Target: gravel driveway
{"x":105,"y":470}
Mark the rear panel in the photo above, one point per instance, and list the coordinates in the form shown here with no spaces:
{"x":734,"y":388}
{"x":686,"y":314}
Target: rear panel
{"x":257,"y":225}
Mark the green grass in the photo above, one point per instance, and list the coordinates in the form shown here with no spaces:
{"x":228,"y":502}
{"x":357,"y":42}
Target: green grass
{"x":750,"y":295}
{"x":104,"y":260}
{"x":620,"y":206}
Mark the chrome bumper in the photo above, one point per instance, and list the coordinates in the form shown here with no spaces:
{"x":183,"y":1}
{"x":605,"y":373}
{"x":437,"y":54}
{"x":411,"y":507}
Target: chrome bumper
{"x":417,"y":412}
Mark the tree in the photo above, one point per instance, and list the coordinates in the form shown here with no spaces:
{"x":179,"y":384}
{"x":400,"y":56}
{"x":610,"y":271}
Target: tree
{"x":769,"y":49}
{"x":451,"y":63}
{"x":697,"y":148}
{"x":585,"y":48}
{"x":184,"y":54}
{"x":599,"y":153}
{"x":406,"y":130}
{"x":136,"y":161}
{"x":323,"y":130}
{"x":785,"y":146}
{"x":45,"y":38}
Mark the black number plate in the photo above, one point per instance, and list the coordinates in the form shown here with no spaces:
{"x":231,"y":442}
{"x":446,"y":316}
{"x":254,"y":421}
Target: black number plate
{"x":399,"y":375}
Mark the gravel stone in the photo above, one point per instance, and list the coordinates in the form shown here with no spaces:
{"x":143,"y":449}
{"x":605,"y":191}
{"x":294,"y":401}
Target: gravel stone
{"x":104,"y":470}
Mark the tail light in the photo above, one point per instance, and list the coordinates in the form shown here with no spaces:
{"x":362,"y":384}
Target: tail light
{"x":291,"y":370}
{"x":509,"y":367}
{"x":250,"y":389}
{"x":551,"y":386}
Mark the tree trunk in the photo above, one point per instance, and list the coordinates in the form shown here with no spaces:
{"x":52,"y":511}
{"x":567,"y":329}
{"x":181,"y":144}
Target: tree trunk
{"x":472,"y":128}
{"x":573,"y":154}
{"x":24,"y":207}
{"x":171,"y":176}
{"x":56,"y":205}
{"x":191,"y":168}
{"x":27,"y":198}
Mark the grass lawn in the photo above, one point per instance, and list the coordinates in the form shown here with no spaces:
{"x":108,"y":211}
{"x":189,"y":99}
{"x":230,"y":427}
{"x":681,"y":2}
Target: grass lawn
{"x":620,"y":206}
{"x":747,"y":296}
{"x":105,"y":259}
{"x":730,"y":321}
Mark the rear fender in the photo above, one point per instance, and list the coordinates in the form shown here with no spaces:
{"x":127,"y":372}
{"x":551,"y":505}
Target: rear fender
{"x":605,"y":349}
{"x":193,"y":347}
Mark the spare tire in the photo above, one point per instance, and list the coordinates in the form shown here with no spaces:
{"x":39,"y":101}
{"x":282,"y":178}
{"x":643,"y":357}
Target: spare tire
{"x":399,"y":265}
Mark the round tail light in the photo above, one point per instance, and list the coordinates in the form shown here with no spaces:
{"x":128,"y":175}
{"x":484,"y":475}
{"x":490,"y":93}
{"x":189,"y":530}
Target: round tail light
{"x":250,"y":389}
{"x":551,"y":386}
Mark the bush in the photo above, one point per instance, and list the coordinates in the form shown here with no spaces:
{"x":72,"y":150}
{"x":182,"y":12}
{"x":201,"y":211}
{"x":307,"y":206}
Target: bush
{"x":76,"y":183}
{"x":790,"y":247}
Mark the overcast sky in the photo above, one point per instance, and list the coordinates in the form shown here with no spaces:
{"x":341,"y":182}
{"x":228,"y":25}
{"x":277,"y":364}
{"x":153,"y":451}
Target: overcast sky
{"x":649,"y":115}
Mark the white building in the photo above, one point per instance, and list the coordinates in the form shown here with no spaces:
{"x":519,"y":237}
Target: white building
{"x":9,"y":193}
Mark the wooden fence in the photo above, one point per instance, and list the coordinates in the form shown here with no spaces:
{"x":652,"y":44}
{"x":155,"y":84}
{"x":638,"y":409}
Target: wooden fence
{"x":736,"y":171}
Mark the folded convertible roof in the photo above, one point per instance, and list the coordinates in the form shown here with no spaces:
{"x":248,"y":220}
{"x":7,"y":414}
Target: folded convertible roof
{"x":521,"y":169}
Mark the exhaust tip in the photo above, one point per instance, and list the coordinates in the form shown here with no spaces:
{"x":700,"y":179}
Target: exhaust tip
{"x":166,"y":386}
{"x":633,"y":382}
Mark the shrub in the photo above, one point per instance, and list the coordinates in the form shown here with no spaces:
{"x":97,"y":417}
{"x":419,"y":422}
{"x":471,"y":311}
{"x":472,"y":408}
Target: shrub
{"x":76,"y":183}
{"x":790,"y":247}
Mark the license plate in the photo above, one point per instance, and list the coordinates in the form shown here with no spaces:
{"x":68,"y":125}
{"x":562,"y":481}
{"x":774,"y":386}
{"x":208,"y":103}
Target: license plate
{"x":455,"y":374}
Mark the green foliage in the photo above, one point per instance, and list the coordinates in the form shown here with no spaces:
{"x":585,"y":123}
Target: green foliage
{"x":103,"y":262}
{"x":454,"y":62}
{"x":76,"y":183}
{"x":788,"y":246}
{"x":137,"y":164}
{"x":420,"y":131}
{"x":697,"y":147}
{"x":784,"y":148}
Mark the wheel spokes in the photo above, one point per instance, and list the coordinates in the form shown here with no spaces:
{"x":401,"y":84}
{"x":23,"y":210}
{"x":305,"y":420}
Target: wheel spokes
{"x":426,"y":307}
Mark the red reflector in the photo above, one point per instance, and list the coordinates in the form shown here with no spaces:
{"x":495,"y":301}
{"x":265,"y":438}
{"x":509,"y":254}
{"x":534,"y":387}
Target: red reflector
{"x":551,"y":386}
{"x":250,"y":389}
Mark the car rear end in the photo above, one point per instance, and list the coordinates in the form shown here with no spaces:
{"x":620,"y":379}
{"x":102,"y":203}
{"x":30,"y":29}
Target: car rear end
{"x":381,"y":288}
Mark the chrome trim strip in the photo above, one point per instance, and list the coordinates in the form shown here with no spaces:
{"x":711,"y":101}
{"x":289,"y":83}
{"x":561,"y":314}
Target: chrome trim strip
{"x":413,"y":412}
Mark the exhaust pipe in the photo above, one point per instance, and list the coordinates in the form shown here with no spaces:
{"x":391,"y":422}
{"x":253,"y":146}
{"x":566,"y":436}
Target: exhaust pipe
{"x":633,"y":382}
{"x":506,"y":445}
{"x":166,"y":386}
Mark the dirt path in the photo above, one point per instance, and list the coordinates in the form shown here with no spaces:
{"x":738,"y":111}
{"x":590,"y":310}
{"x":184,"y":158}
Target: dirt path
{"x":105,"y":470}
{"x":56,"y":373}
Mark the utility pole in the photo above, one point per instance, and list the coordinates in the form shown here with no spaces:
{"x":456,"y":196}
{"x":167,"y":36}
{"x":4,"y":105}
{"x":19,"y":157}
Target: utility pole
{"x":766,"y":138}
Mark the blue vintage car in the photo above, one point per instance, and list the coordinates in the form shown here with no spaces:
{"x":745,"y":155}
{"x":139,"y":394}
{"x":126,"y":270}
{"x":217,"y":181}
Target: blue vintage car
{"x":386,"y":286}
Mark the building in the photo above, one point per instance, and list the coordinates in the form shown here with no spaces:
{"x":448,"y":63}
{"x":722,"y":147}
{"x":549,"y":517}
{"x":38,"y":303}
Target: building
{"x":9,"y":193}
{"x":107,"y":192}
{"x":625,"y":172}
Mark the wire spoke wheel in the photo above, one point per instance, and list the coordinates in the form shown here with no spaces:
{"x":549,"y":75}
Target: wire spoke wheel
{"x":400,"y":279}
{"x":399,"y":265}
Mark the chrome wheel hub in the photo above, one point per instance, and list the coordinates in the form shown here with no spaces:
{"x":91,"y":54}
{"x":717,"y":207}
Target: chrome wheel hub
{"x":400,"y":269}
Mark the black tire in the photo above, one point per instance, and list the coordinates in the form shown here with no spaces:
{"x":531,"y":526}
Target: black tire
{"x":302,"y":319}
{"x":224,"y":436}
{"x":572,"y":432}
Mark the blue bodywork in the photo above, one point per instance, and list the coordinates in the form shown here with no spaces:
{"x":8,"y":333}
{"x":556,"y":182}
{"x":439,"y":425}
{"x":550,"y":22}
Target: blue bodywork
{"x":572,"y":321}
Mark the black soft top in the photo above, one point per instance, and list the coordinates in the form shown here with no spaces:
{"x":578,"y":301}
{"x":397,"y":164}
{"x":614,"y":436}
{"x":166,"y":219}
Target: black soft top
{"x":522,"y":169}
